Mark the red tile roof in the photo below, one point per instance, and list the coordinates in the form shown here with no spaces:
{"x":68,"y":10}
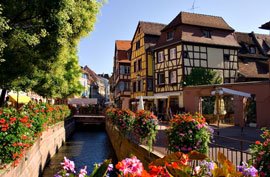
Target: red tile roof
{"x":218,"y":37}
{"x":151,"y":28}
{"x":199,"y":20}
{"x":122,"y":44}
{"x":254,"y":69}
{"x":264,"y":42}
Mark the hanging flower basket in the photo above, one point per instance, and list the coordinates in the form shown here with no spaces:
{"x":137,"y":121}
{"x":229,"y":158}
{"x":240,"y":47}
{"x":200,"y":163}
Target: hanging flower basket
{"x":189,"y":132}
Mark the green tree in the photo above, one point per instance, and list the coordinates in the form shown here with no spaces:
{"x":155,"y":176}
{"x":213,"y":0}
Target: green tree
{"x":202,"y":76}
{"x":3,"y":28}
{"x":40,"y":44}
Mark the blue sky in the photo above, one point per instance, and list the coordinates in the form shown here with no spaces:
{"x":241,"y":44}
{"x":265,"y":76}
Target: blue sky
{"x":119,"y":18}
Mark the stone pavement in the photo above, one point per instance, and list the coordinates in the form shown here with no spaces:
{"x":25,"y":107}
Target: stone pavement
{"x":230,"y":137}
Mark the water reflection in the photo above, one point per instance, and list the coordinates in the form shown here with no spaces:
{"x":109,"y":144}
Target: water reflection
{"x":88,"y":145}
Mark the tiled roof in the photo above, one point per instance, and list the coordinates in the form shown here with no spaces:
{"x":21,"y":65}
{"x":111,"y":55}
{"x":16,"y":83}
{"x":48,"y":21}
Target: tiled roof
{"x":254,"y":69}
{"x":266,"y":26}
{"x":92,"y":74}
{"x":264,"y":42}
{"x":199,"y":20}
{"x":122,"y":44}
{"x":218,"y":38}
{"x":244,"y":37}
{"x":247,"y":40}
{"x":151,"y":28}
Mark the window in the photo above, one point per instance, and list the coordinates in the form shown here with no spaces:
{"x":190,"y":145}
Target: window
{"x":172,"y":53}
{"x":137,"y":45}
{"x":124,"y":69}
{"x":226,"y":57}
{"x":149,"y":84}
{"x":185,"y":54}
{"x":161,"y":78}
{"x":160,"y":57}
{"x":173,"y":76}
{"x":127,"y":69}
{"x":207,"y":33}
{"x":252,"y":49}
{"x":170,"y":35}
{"x":134,"y":86}
{"x":127,"y":86}
{"x":134,"y":66}
{"x":139,"y":86}
{"x":139,"y":64}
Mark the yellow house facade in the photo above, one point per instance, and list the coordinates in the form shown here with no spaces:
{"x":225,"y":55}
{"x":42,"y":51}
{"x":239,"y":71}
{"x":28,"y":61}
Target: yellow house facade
{"x":145,"y":37}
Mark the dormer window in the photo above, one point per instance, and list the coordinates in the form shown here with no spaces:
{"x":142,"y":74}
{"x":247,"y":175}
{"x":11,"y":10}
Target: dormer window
{"x":206,"y":33}
{"x":170,"y":35}
{"x":252,"y":49}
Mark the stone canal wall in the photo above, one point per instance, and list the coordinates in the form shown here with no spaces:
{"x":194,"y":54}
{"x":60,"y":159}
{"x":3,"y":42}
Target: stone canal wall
{"x":41,"y":151}
{"x":124,"y":147}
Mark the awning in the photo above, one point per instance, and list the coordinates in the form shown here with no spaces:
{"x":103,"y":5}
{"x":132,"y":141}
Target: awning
{"x":221,"y":91}
{"x":22,"y":98}
{"x":152,"y":97}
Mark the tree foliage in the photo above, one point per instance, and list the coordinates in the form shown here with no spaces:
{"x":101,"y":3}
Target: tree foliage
{"x":38,"y":40}
{"x":203,"y":76}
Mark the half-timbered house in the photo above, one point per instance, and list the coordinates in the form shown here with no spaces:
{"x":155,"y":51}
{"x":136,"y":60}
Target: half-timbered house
{"x":145,"y":37}
{"x":121,"y":74}
{"x":192,"y":40}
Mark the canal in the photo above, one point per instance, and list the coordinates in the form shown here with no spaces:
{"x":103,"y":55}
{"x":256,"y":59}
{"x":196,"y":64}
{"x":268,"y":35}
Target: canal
{"x":88,"y":145}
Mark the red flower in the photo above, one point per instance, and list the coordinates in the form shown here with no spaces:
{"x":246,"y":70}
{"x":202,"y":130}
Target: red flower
{"x":12,"y":120}
{"x":24,"y":137}
{"x":257,"y":142}
{"x":4,"y":127}
{"x":2,"y":121}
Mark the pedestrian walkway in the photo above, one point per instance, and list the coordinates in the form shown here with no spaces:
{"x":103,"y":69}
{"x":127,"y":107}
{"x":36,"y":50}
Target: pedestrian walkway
{"x":229,"y":136}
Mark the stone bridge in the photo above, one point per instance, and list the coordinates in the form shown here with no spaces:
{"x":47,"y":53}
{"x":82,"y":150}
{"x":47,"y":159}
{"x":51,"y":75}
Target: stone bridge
{"x":89,"y":119}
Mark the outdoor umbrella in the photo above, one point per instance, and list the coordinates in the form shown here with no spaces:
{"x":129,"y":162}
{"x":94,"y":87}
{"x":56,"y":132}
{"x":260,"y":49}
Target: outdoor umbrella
{"x":140,"y":105}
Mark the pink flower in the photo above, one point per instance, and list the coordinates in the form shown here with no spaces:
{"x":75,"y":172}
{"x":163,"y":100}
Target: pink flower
{"x":130,"y":166}
{"x":83,"y":172}
{"x":68,"y":165}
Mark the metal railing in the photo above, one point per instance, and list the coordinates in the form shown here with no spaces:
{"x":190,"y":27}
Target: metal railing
{"x":236,"y":150}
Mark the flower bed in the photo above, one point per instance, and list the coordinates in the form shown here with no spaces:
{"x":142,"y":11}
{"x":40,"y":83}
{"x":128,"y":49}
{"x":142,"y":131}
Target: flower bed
{"x":141,"y":126}
{"x":193,"y":164}
{"x":20,"y":128}
{"x":189,"y":132}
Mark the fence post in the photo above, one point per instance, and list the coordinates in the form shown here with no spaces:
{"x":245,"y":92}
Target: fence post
{"x":241,"y":156}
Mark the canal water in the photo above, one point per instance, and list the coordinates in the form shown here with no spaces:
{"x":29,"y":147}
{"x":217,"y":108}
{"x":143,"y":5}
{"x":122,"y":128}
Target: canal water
{"x":88,"y":145}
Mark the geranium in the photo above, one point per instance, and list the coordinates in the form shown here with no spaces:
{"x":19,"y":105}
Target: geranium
{"x":189,"y":132}
{"x":112,"y":114}
{"x":261,"y":153}
{"x":125,"y":120}
{"x":130,"y":166}
{"x":145,"y":126}
{"x":18,"y":129}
